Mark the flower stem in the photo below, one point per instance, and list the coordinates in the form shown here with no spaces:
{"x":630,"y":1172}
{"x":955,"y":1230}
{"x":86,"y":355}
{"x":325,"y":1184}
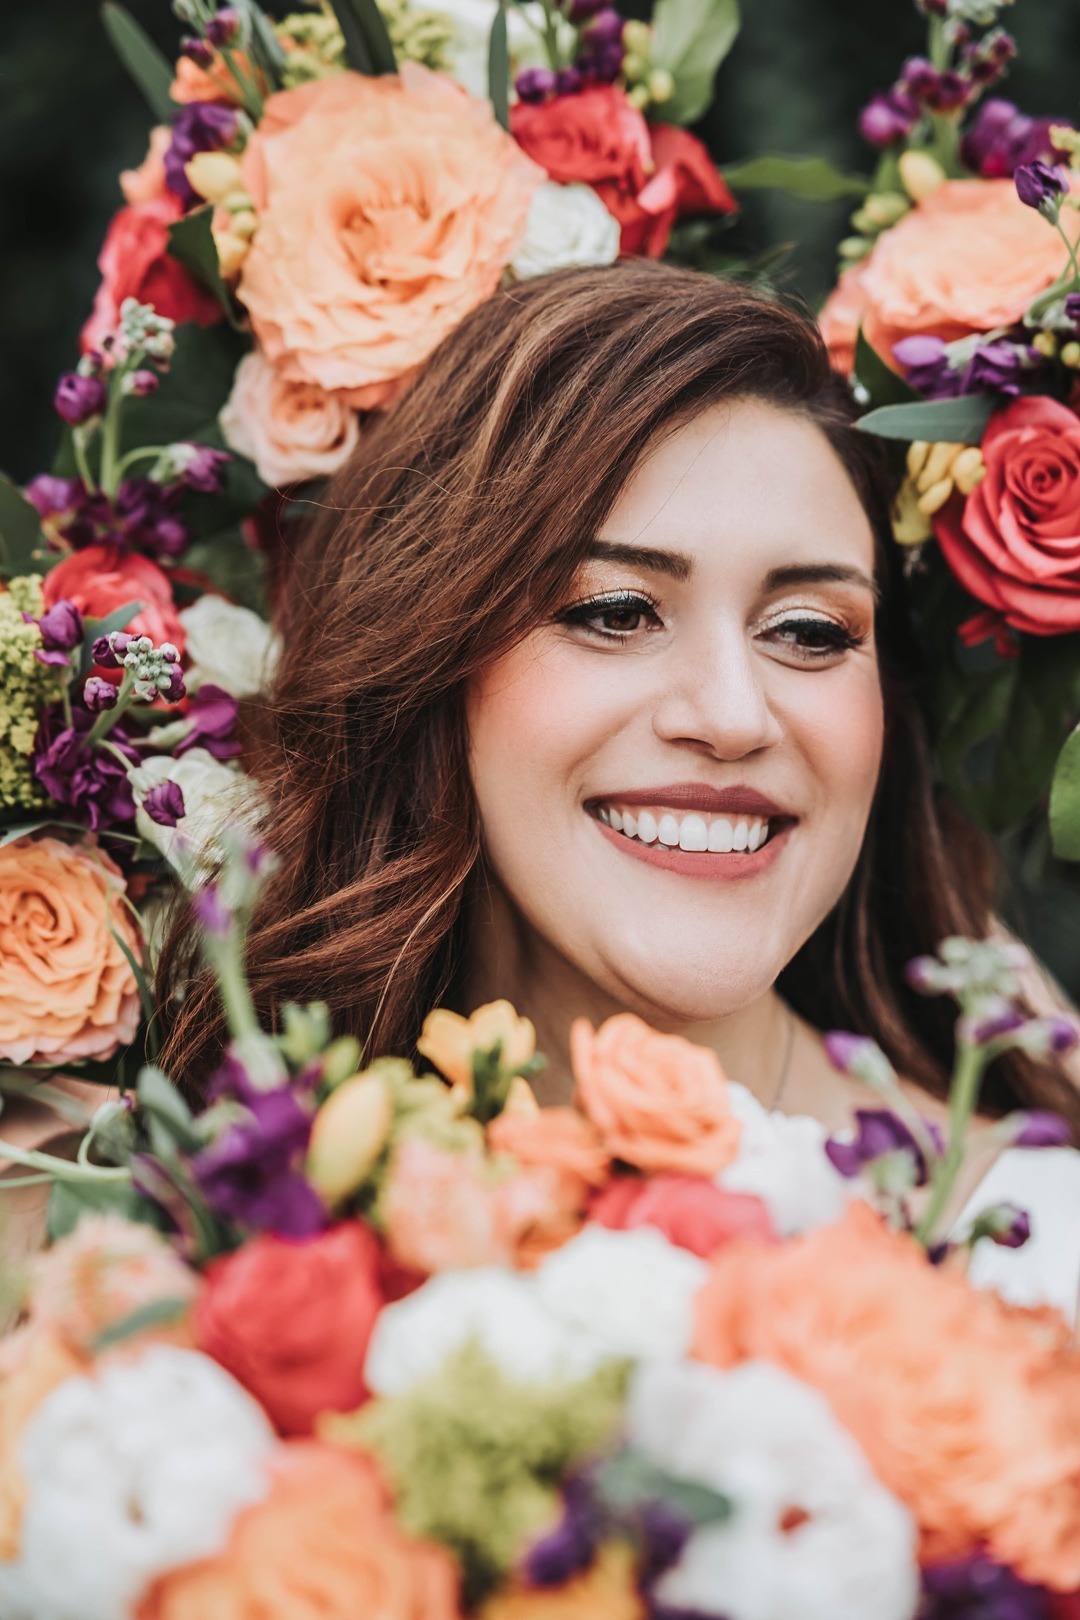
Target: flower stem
{"x":971,"y":1061}
{"x":108,"y":717}
{"x":143,"y":453}
{"x":82,"y":462}
{"x":61,"y":1169}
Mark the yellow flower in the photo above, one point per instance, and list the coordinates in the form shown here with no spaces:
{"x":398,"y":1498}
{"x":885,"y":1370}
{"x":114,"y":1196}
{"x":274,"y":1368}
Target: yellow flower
{"x":934,"y":471}
{"x":452,"y":1042}
{"x":920,"y":174}
{"x":349,"y":1133}
{"x":214,"y":175}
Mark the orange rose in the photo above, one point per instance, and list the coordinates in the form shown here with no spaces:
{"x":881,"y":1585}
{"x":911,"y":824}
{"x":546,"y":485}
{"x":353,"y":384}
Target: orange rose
{"x":67,"y":991}
{"x":969,"y":258}
{"x":388,"y":208}
{"x":658,"y":1101}
{"x":321,"y":1543}
{"x":968,"y":1409}
{"x":558,"y":1138}
{"x":34,"y":1363}
{"x":290,"y":428}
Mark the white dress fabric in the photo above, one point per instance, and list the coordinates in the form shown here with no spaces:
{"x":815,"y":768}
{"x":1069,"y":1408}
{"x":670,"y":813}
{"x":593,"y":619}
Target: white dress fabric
{"x":1046,"y":1270}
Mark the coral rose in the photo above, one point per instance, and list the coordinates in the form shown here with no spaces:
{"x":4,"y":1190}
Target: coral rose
{"x":99,"y":579}
{"x":1015,"y":542}
{"x":658,"y":1101}
{"x":290,"y":428}
{"x":291,"y":1320}
{"x":969,"y":258}
{"x":841,"y":318}
{"x":967,"y":1409}
{"x":646,"y":177}
{"x":322,"y":1543}
{"x":67,"y":991}
{"x":557,"y":1138}
{"x":691,"y":1212}
{"x":388,"y":208}
{"x":35,"y":1363}
{"x":135,"y":263}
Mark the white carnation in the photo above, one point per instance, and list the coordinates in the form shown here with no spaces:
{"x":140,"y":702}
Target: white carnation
{"x":813,"y":1534}
{"x":471,"y":21}
{"x":782,"y":1160}
{"x":627,"y":1293}
{"x":228,"y":646}
{"x":567,"y":225}
{"x":215,"y":796}
{"x":131,"y":1473}
{"x":496,"y":1308}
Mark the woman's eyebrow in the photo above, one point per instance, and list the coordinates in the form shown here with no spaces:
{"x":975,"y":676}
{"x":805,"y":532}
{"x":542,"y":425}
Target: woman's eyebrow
{"x":673,"y":563}
{"x":820,"y":574}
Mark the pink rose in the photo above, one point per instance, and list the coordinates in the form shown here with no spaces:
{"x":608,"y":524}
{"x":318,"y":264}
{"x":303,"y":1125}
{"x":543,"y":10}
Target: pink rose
{"x":135,"y":263}
{"x":691,"y":1212}
{"x":290,"y":428}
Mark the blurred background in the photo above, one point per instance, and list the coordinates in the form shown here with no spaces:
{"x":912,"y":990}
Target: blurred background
{"x":70,"y":120}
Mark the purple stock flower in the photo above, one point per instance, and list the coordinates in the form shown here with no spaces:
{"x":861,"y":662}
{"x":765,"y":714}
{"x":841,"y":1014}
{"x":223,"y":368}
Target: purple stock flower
{"x":571,"y":1547}
{"x":606,"y":27}
{"x":146,"y":518}
{"x":223,"y":29}
{"x":99,"y":694}
{"x":212,"y":722}
{"x":1001,"y":137}
{"x":888,"y":117}
{"x":535,"y":84}
{"x":211,"y":912}
{"x":948,"y":92}
{"x":141,"y":384}
{"x":54,"y":496}
{"x":78,"y":398}
{"x":165,"y":803}
{"x":926,"y":367}
{"x":200,"y":126}
{"x":1011,"y":1226}
{"x":880,"y":1132}
{"x":90,"y":782}
{"x":61,"y":628}
{"x":978,"y":1589}
{"x":999,"y":368}
{"x":568,"y":81}
{"x":108,"y":651}
{"x":250,"y":1175}
{"x":204,"y":470}
{"x":1040,"y":185}
{"x":1041,"y":1129}
{"x":664,"y":1530}
{"x":197,"y":51}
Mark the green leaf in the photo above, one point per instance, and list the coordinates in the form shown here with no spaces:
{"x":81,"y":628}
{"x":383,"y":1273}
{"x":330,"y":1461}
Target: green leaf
{"x":367,"y":43}
{"x":237,"y":571}
{"x":629,"y":1480}
{"x":1065,"y":801}
{"x":193,"y":390}
{"x":499,"y":67}
{"x":158,"y":1313}
{"x":168,"y":1115}
{"x":690,"y":40}
{"x":814,"y":178}
{"x":956,"y":421}
{"x":1043,"y":704}
{"x":147,"y":66}
{"x":22,"y":544}
{"x":191,"y":243}
{"x":118,"y":619}
{"x":882,"y":384}
{"x":71,"y":1200}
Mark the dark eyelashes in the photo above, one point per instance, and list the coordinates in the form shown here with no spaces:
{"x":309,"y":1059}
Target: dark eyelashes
{"x":609,"y":602}
{"x":809,"y":636}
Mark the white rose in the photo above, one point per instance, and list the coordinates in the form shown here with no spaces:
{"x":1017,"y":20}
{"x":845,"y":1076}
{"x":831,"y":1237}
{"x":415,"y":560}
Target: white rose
{"x":782,"y":1160}
{"x":472,"y":20}
{"x":215,"y":795}
{"x":131,"y":1473}
{"x":290,"y":428}
{"x":495,"y":1307}
{"x":627,"y":1293}
{"x":566,"y":225}
{"x":228,"y":646}
{"x":813,"y":1535}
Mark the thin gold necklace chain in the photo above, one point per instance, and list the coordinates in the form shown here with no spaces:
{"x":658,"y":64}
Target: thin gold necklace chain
{"x":785,"y":1067}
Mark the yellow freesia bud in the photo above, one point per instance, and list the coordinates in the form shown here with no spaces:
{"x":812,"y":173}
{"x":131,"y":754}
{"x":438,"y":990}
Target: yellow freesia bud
{"x":244,"y":224}
{"x":936,"y":466}
{"x":637,"y":36}
{"x":521,"y":1098}
{"x":661,"y":86}
{"x":450,"y":1041}
{"x":918,"y":451}
{"x":884,"y":208}
{"x":214,"y":174}
{"x":1046,"y":343}
{"x":638,"y":96}
{"x":1070,"y":356}
{"x":231,"y":251}
{"x":921,"y":175}
{"x":934,"y":498}
{"x":909,"y":525}
{"x":934,"y":471}
{"x":349,"y":1133}
{"x":634,"y":66}
{"x":968,"y":469}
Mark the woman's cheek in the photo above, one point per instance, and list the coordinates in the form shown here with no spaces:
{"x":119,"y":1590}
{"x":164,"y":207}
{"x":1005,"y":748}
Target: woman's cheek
{"x":842,"y":732}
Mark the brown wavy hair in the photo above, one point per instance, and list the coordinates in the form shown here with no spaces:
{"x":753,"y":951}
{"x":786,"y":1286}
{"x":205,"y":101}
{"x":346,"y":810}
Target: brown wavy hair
{"x":455,"y":529}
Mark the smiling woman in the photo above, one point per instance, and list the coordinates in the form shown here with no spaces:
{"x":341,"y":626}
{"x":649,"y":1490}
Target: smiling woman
{"x":597,"y":694}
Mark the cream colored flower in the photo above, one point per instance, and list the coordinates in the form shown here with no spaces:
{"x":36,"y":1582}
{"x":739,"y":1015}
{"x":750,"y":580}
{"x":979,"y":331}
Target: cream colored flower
{"x":288,"y":426}
{"x":452,"y":1042}
{"x":349,"y":1133}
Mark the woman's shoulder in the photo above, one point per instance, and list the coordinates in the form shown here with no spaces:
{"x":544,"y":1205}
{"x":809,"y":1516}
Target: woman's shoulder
{"x":1045,"y":1183}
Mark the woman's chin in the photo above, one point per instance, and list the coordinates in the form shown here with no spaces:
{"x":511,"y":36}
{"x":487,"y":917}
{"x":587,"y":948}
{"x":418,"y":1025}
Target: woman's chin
{"x":673,"y":990}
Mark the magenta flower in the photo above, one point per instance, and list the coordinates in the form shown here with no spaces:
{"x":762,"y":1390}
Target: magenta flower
{"x":164,"y":803}
{"x":78,"y":399}
{"x":90,"y":782}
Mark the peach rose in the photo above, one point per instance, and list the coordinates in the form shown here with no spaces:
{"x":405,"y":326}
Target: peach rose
{"x":321,"y":1543}
{"x":147,"y":182}
{"x":658,"y":1101}
{"x":969,"y":258}
{"x":290,"y":428}
{"x":388,"y":208}
{"x":841,"y":316}
{"x":558,"y":1138}
{"x":967,"y":1409}
{"x":34,"y":1363}
{"x":66,"y":989}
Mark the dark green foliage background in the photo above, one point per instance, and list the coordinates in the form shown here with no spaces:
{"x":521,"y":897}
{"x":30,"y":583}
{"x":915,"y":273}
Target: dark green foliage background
{"x":70,"y":120}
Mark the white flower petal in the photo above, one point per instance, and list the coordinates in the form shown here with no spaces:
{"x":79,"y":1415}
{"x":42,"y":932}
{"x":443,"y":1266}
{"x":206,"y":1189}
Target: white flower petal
{"x":567,"y":225}
{"x":228,"y":646}
{"x":782,"y":1161}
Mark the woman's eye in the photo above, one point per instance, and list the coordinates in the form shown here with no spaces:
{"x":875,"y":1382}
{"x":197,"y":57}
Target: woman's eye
{"x":810,"y":637}
{"x":615,"y":617}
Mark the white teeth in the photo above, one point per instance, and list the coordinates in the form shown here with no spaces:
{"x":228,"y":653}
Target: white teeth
{"x":720,"y":836}
{"x":629,"y":824}
{"x":741,"y":836}
{"x":646,"y":827}
{"x":605,"y":815}
{"x":668,"y":831}
{"x":616,"y":820}
{"x":693,"y":834}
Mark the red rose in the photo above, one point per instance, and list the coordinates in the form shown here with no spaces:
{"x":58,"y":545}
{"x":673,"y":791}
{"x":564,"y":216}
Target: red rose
{"x":690,"y":1211}
{"x":1015,"y":542}
{"x":647,"y":177}
{"x":100,"y":579}
{"x":291,"y":1320}
{"x":134,"y":263}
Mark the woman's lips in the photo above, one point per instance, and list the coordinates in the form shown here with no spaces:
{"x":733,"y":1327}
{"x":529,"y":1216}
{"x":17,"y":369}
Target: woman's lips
{"x":701,"y":864}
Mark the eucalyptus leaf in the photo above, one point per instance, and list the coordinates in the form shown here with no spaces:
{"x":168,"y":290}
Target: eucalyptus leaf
{"x":367,"y":42}
{"x":191,"y":243}
{"x":956,"y":421}
{"x":882,"y":384}
{"x":629,"y":1479}
{"x":499,"y":67}
{"x":156,"y":1313}
{"x":813,"y":178}
{"x":690,"y":40}
{"x":168,"y":1116}
{"x":22,"y":544}
{"x":1065,"y":801}
{"x":146,"y":64}
{"x":1043,"y":704}
{"x":71,"y":1200}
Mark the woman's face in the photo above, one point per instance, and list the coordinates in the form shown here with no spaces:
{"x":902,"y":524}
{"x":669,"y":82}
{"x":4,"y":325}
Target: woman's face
{"x":674,"y":775}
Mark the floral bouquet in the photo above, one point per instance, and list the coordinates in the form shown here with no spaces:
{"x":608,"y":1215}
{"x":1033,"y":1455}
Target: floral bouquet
{"x":265,"y":290}
{"x":959,"y":314}
{"x":357,"y":1340}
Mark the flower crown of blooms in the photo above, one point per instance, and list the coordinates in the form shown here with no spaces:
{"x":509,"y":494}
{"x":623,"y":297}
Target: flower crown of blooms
{"x":958,"y":314}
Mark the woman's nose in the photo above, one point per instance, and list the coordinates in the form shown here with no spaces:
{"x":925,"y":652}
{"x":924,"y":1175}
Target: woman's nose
{"x":716,"y":699}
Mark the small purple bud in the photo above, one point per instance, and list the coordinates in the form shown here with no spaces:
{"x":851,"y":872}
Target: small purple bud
{"x":1040,"y":184}
{"x":606,"y":28}
{"x":141,"y":384}
{"x":846,"y":1050}
{"x":568,"y":81}
{"x":61,"y":626}
{"x":950,"y":91}
{"x":223,"y":29}
{"x":1072,"y":308}
{"x":77,"y":399}
{"x":1041,"y":1129}
{"x":918,"y":76}
{"x":1063,"y":1035}
{"x":109,"y":651}
{"x":176,"y":688}
{"x":922,"y":974}
{"x":887,"y":118}
{"x":165,"y":804}
{"x":99,"y":694}
{"x":211,"y":912}
{"x":51,"y":495}
{"x":204,"y":469}
{"x":844,"y":1158}
{"x":535,"y":84}
{"x":1005,"y":1224}
{"x":981,"y":1031}
{"x":197,"y":51}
